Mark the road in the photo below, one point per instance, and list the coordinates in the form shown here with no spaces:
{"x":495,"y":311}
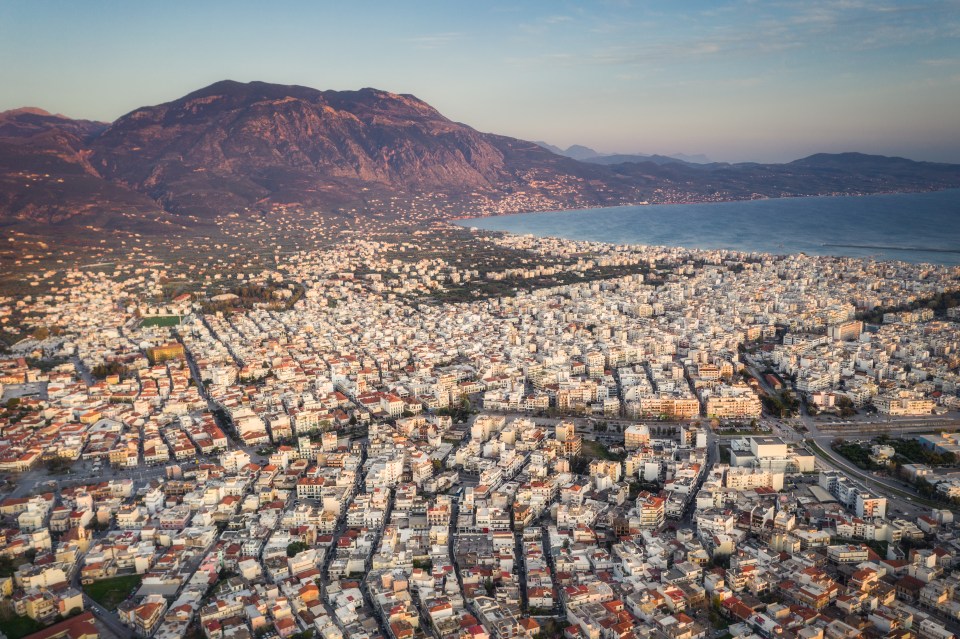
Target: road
{"x":894,"y":427}
{"x":901,"y":498}
{"x":82,"y":472}
{"x":106,"y":617}
{"x":109,"y":619}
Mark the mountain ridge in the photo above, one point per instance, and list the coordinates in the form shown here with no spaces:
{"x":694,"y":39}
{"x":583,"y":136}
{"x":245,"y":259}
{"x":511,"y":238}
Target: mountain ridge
{"x":232,"y":147}
{"x":586,"y":154}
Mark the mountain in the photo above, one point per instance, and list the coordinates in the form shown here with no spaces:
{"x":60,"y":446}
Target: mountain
{"x":550,"y":147}
{"x":46,"y":176}
{"x":580,"y":152}
{"x":680,"y":158}
{"x":586,"y":154}
{"x":233,"y":147}
{"x":576,"y":151}
{"x":635,"y":158}
{"x":699,"y":158}
{"x":29,"y":121}
{"x":230,"y":145}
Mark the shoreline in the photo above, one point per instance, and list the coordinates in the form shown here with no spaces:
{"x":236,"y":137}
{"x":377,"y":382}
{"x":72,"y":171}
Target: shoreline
{"x":782,"y":228}
{"x":918,"y":249}
{"x":706,"y":202}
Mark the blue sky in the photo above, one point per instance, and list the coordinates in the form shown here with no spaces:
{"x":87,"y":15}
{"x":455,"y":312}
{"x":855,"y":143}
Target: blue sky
{"x":738,"y":80}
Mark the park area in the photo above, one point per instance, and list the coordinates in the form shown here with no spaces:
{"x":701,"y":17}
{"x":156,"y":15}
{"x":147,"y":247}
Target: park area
{"x":161,"y":321}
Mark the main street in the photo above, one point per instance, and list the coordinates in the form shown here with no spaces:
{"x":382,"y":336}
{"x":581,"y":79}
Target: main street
{"x":819,"y":436}
{"x":901,"y":497}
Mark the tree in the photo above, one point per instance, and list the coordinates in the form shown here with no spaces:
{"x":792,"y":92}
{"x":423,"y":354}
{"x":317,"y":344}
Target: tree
{"x":423,"y":564}
{"x":296,"y":548}
{"x":104,"y":370}
{"x":488,"y":586}
{"x":57,"y":465}
{"x":550,"y":629}
{"x":845,"y":406}
{"x":7,"y":567}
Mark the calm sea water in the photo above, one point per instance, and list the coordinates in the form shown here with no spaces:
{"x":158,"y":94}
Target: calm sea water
{"x":912,"y":227}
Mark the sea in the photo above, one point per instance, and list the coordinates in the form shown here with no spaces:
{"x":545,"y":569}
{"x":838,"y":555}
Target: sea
{"x":910,"y":227}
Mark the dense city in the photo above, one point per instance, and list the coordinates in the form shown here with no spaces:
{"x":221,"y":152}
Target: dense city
{"x":561,"y":439}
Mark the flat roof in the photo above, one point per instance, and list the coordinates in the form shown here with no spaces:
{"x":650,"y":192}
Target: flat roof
{"x":821,"y":494}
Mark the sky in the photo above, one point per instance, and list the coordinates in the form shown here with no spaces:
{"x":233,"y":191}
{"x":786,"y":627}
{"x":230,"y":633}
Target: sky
{"x":740,"y":80}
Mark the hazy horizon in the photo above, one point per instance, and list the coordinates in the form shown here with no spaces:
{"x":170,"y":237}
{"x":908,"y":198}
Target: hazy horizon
{"x":735,"y":81}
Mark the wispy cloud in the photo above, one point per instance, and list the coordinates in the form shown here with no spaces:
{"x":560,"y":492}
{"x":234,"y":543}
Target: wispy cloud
{"x":543,"y":25}
{"x":435,"y":40}
{"x":745,"y":31}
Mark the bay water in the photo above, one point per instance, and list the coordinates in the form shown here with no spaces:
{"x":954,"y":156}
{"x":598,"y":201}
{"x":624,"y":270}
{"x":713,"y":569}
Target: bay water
{"x":911,"y":227}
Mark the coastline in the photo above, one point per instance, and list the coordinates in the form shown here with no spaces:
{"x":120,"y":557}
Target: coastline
{"x":704,"y":202}
{"x":924,"y":225}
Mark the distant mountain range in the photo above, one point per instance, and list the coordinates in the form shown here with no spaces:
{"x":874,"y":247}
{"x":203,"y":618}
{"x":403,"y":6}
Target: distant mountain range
{"x":586,"y":154}
{"x":233,"y":147}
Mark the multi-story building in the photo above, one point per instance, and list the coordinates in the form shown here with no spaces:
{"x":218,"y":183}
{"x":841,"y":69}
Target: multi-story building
{"x":651,"y":509}
{"x":570,"y":442}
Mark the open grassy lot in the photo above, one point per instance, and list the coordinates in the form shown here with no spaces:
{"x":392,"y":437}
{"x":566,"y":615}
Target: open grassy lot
{"x":595,"y":450}
{"x":166,"y":320}
{"x":110,"y":593}
{"x":14,"y":626}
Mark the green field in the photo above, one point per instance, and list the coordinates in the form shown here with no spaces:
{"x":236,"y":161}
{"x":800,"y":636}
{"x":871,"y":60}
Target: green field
{"x":16,"y":627}
{"x":110,"y":593}
{"x":594,"y":450}
{"x":164,"y":320}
